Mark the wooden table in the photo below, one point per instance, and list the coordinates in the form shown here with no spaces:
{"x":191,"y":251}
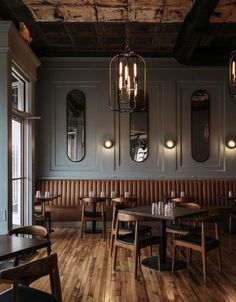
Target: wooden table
{"x":43,"y":200}
{"x":177,"y":212}
{"x":12,"y":246}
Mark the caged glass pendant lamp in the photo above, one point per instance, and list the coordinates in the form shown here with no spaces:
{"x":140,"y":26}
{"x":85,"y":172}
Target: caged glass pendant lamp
{"x":232,"y":73}
{"x":127,"y":82}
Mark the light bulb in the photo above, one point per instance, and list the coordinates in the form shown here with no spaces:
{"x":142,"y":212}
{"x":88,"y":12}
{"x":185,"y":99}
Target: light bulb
{"x":108,"y":143}
{"x":231,"y":144}
{"x":170,"y":144}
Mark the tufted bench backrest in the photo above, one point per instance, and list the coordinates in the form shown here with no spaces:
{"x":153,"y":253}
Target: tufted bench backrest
{"x":204,"y":191}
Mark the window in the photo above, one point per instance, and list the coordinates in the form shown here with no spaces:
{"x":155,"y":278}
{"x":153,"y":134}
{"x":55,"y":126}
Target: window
{"x":20,"y":137}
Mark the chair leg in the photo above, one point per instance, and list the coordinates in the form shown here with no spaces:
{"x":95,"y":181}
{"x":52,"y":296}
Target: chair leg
{"x":114,"y":260}
{"x":82,"y":229}
{"x":150,"y":249}
{"x":104,"y":228}
{"x":173,"y":255}
{"x":220,"y":259}
{"x":136,"y":264}
{"x":159,"y":258}
{"x":189,"y":254}
{"x":230,"y":225}
{"x":111,"y":243}
{"x":49,"y":222}
{"x":204,"y":266}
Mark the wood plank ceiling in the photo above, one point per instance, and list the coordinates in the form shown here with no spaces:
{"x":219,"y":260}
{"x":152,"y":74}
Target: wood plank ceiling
{"x":194,"y":32}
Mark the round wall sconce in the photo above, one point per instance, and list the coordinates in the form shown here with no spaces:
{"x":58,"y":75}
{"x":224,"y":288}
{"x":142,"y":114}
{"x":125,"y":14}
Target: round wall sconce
{"x":169,"y":144}
{"x":108,"y":144}
{"x":231,"y":144}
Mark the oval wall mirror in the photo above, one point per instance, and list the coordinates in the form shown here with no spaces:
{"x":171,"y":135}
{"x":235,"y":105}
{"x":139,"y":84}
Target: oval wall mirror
{"x":200,"y":126}
{"x":139,"y":134}
{"x":76,"y":125}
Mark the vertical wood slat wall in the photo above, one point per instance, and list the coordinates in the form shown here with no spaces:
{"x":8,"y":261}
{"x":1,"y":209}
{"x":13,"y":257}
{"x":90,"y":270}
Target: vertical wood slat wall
{"x":204,"y":191}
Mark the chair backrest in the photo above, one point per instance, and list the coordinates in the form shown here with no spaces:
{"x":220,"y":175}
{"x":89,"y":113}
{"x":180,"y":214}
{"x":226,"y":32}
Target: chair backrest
{"x":190,"y":205}
{"x":178,"y":200}
{"x":129,"y":218}
{"x":127,"y":200}
{"x":209,"y":219}
{"x":116,"y":208}
{"x":31,"y":271}
{"x":34,"y":230}
{"x":89,"y":200}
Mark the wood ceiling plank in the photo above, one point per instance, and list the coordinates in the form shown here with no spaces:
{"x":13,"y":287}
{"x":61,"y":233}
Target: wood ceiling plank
{"x":193,"y":29}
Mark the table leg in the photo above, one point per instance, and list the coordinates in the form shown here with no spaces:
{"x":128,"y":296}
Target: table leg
{"x":43,"y":214}
{"x":165,"y":262}
{"x":94,"y":222}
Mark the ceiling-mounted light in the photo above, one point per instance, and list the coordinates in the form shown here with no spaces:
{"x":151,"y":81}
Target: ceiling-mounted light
{"x":232,"y":73}
{"x":127,"y":82}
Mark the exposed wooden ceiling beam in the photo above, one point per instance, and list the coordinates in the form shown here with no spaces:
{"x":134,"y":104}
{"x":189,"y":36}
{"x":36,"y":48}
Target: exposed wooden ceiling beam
{"x":192,"y":30}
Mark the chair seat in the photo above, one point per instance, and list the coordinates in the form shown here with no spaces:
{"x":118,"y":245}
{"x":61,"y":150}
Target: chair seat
{"x":28,"y":294}
{"x":141,"y":228}
{"x":144,"y":239}
{"x":92,"y":214}
{"x":211,"y":243}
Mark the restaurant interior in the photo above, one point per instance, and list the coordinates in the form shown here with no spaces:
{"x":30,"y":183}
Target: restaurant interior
{"x":117,"y":150}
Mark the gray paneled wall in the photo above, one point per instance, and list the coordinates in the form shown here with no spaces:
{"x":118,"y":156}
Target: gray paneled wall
{"x":170,"y":87}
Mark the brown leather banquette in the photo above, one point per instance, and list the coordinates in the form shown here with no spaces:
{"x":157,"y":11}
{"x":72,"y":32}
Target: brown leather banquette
{"x":68,"y":206}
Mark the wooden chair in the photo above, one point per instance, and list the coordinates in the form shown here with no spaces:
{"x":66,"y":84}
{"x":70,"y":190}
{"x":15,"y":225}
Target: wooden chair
{"x":120,"y":203}
{"x":23,"y":275}
{"x":31,"y":230}
{"x":89,"y":213}
{"x":200,"y":243}
{"x":183,"y":228}
{"x":133,"y":241}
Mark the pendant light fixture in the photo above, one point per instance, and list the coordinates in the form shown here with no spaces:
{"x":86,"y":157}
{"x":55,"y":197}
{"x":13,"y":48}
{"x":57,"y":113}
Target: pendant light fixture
{"x":232,"y":73}
{"x":127,"y":81}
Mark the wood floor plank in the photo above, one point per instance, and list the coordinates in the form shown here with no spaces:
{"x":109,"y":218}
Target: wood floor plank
{"x":86,"y":273}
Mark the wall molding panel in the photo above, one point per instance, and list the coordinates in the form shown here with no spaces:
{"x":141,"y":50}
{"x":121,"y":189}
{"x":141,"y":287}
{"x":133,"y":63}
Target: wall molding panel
{"x":169,"y":85}
{"x":215,"y":161}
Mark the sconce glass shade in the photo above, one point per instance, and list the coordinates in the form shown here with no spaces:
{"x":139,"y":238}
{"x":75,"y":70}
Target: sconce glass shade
{"x":127,"y":82}
{"x":232,"y":73}
{"x":231,"y":144}
{"x":108,"y":144}
{"x":170,"y":144}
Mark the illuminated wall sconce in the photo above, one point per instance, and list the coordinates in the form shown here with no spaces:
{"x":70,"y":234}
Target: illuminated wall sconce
{"x":231,"y":144}
{"x":108,"y":143}
{"x":169,"y":144}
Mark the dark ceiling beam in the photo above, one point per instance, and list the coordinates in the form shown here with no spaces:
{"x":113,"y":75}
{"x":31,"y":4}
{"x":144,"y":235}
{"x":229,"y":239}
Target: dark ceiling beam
{"x":192,"y":31}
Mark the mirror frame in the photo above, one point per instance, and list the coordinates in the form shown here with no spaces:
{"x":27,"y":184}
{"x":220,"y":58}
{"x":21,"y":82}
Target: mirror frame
{"x":194,"y":125}
{"x":84,"y":99}
{"x":146,"y":111}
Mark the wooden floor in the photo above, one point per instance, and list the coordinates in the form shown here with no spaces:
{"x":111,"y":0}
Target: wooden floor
{"x":86,"y":274}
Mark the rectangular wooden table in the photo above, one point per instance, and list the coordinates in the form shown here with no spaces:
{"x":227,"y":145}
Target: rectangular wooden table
{"x":12,"y":246}
{"x":176,"y":213}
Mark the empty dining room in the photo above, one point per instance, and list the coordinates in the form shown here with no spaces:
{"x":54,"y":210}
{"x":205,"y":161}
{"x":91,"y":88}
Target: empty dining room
{"x":117,"y":150}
